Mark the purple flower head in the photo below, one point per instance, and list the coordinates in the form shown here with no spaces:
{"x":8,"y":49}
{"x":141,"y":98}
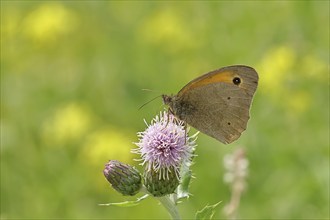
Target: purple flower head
{"x":165,"y":146}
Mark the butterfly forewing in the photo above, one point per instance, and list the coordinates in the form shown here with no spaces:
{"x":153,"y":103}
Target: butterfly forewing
{"x":214,"y":114}
{"x":218,"y":102}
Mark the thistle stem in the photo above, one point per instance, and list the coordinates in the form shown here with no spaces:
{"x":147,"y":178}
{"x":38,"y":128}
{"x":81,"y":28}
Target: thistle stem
{"x":170,"y":207}
{"x":168,"y":203}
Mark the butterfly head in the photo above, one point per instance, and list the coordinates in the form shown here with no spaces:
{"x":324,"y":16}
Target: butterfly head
{"x":167,"y":99}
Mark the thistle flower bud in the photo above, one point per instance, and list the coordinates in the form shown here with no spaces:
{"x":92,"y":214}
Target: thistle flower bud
{"x":159,"y":185}
{"x":123,"y":178}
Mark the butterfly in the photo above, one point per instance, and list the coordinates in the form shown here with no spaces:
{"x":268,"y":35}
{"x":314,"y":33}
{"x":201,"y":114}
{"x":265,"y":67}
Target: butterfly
{"x":217,"y":103}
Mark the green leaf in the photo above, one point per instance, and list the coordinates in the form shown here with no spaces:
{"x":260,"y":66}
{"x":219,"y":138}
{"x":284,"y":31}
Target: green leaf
{"x":183,"y":189}
{"x":126,"y":203}
{"x":186,"y":175}
{"x":207,"y":212}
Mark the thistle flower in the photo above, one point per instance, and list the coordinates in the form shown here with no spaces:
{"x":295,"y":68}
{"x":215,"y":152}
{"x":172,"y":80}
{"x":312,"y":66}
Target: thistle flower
{"x":123,"y":178}
{"x":165,"y":147}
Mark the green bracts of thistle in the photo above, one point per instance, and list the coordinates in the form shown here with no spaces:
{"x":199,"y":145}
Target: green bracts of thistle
{"x":160,"y":184}
{"x":124,"y":178}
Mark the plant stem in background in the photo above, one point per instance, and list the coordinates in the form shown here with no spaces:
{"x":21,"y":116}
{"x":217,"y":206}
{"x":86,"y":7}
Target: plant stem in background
{"x":236,"y":165}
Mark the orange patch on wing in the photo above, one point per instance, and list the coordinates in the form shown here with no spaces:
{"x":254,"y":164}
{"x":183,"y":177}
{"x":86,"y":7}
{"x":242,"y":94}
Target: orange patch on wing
{"x":225,"y":77}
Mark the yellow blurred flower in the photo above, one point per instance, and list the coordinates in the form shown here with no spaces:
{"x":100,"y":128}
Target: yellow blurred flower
{"x":69,"y":123}
{"x":281,"y":71}
{"x":48,"y":22}
{"x":166,"y":29}
{"x":275,"y":68}
{"x":107,"y":144}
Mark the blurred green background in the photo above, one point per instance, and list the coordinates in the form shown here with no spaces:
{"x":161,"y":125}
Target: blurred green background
{"x":72,"y":74}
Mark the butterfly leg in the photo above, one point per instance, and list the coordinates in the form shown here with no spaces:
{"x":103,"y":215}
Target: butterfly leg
{"x":168,"y":117}
{"x":177,"y":121}
{"x":185,"y":132}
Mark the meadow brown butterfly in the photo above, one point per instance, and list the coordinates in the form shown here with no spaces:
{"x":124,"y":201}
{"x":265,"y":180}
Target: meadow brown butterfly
{"x":217,"y":103}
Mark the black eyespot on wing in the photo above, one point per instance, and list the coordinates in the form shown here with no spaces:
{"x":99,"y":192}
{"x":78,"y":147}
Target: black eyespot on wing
{"x":228,"y":98}
{"x":228,"y":123}
{"x":237,"y":81}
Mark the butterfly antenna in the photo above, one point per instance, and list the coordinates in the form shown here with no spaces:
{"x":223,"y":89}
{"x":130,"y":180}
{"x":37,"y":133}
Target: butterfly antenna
{"x":150,"y":90}
{"x":149,"y":101}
